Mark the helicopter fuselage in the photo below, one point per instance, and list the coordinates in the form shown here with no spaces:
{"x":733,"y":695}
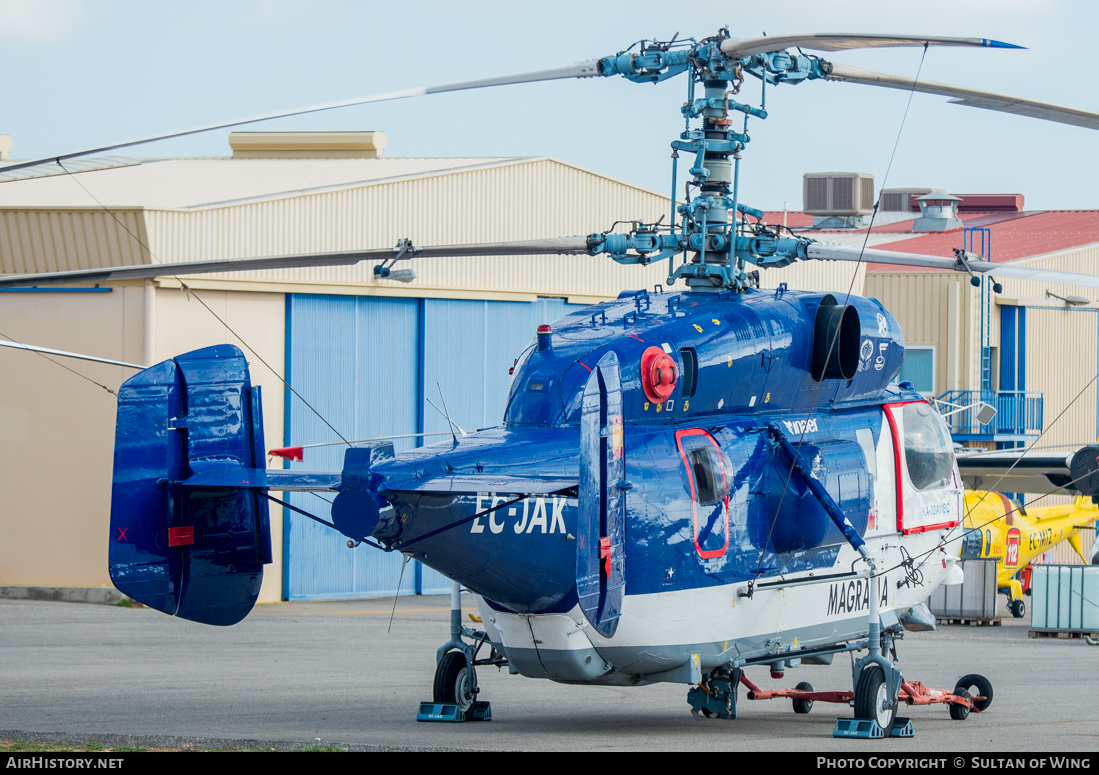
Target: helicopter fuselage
{"x":681,"y":481}
{"x":713,"y":543}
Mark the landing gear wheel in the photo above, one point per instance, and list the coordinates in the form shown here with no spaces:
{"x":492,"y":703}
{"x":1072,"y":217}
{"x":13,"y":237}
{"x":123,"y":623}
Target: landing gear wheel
{"x":803,"y":706}
{"x":872,"y":698}
{"x":454,"y":681}
{"x":1017,"y":608}
{"x":976,"y":686}
{"x":959,"y":712}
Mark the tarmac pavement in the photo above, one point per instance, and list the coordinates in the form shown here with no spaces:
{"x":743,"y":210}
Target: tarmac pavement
{"x":295,"y":672}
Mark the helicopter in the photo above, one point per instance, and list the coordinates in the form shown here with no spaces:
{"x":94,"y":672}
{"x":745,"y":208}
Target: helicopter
{"x":685,"y":483}
{"x":1001,"y":528}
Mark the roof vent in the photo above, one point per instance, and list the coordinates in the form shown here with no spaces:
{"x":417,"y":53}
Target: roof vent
{"x":838,"y":200}
{"x":938,"y":212}
{"x":307,"y":145}
{"x":5,"y":146}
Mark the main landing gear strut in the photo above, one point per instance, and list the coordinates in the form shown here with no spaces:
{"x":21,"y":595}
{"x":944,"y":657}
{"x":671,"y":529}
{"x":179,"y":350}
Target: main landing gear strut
{"x":454,"y":695}
{"x":879,"y":687}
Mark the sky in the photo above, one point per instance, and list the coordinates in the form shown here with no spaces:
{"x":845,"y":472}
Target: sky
{"x":77,"y":73}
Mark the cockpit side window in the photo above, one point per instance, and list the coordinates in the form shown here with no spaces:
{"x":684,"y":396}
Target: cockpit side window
{"x":928,"y":450}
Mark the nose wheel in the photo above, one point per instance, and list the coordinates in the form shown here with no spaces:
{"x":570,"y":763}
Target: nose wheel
{"x":872,"y":700}
{"x":454,"y":690}
{"x":455,"y":681}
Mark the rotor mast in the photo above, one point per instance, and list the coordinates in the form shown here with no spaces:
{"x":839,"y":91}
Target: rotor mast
{"x":712,"y":233}
{"x":709,"y":221}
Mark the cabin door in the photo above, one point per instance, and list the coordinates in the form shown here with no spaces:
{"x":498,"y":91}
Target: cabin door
{"x":601,"y":529}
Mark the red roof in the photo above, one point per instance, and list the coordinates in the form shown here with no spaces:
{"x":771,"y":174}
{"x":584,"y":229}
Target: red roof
{"x":794,"y":219}
{"x":1014,"y":235}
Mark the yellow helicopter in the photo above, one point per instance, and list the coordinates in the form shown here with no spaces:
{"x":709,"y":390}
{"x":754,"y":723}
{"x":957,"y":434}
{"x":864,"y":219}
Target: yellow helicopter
{"x":1002,"y":528}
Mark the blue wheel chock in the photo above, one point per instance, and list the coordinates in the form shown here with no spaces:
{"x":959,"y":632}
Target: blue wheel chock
{"x":449,"y":711}
{"x":864,"y":728}
{"x":902,"y":727}
{"x":868,"y":729}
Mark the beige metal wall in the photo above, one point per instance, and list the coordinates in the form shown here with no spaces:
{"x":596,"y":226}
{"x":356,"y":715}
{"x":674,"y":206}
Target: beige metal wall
{"x":57,"y":432}
{"x":935,"y":308}
{"x":182,"y":324}
{"x":1061,"y":362}
{"x":529,"y":199}
{"x":57,"y":429}
{"x":62,"y":239}
{"x":836,"y":277}
{"x":524,"y":200}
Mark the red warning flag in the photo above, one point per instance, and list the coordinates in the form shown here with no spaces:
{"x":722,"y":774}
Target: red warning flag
{"x":289,"y":453}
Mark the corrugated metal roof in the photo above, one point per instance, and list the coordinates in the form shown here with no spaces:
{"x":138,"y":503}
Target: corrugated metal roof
{"x":72,"y":166}
{"x":172,"y":184}
{"x":794,"y":219}
{"x":799,"y":220}
{"x":1013,"y":238}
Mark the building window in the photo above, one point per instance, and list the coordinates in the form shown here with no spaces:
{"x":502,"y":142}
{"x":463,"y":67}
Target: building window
{"x":919,"y":369}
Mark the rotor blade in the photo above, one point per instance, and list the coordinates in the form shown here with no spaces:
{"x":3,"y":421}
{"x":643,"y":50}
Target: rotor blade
{"x":65,"y":354}
{"x":845,"y":41}
{"x":586,"y":69}
{"x":828,"y":252}
{"x":558,"y":246}
{"x":962,"y":95}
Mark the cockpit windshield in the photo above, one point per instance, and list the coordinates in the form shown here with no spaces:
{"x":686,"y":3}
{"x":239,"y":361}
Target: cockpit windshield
{"x":928,"y":450}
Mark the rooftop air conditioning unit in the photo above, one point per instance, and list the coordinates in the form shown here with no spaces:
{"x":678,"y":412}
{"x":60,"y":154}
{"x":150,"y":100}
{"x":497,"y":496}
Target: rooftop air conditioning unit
{"x":838,"y":193}
{"x":902,"y":200}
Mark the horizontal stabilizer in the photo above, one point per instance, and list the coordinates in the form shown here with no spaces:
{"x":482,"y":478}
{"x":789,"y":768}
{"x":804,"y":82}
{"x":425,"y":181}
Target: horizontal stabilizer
{"x":494,"y":483}
{"x":239,"y":478}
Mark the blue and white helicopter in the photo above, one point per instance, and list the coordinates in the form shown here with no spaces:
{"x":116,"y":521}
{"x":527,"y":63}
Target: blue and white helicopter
{"x":684,"y":484}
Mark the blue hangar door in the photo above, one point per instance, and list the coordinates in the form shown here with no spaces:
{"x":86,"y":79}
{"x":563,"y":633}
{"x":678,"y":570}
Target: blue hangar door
{"x":367,"y":365}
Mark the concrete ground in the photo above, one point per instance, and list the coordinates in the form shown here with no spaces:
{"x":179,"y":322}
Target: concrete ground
{"x":294,"y":672}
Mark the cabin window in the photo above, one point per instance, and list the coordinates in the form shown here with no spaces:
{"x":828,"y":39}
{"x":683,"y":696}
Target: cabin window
{"x":928,"y":450}
{"x":709,"y":475}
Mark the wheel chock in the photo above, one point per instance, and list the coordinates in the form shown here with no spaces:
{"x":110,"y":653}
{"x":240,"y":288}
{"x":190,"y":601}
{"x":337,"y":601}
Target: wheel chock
{"x":481,"y":711}
{"x":868,"y":729}
{"x":440,"y":711}
{"x":449,"y":711}
{"x":864,"y":728}
{"x":902,"y":727}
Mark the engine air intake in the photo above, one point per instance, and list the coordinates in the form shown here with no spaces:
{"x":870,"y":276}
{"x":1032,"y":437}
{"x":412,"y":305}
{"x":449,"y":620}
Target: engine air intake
{"x":838,"y":359}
